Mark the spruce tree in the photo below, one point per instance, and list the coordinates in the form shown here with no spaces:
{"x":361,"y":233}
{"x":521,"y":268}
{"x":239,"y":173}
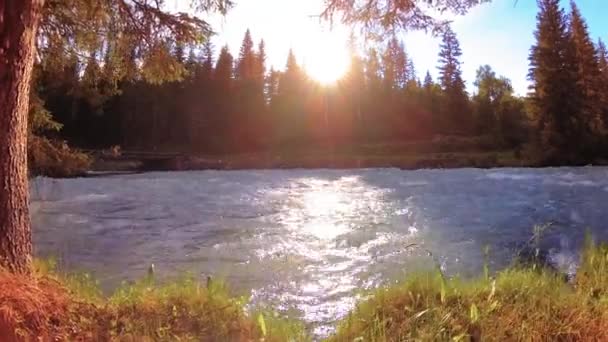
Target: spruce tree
{"x":354,"y":84}
{"x":373,"y":69}
{"x":588,"y":75}
{"x":428,"y":81}
{"x":260,"y":75}
{"x":602,"y":58}
{"x":602,"y":62}
{"x":389,"y":64}
{"x":456,"y":118}
{"x":246,"y":96}
{"x":246,"y":62}
{"x":207,"y":68}
{"x":375,"y":97}
{"x":223,"y":81}
{"x":292,"y":77}
{"x":290,"y":102}
{"x":554,"y":92}
{"x":260,"y":65}
{"x":260,"y":124}
{"x":411,"y":71}
{"x":432,"y":98}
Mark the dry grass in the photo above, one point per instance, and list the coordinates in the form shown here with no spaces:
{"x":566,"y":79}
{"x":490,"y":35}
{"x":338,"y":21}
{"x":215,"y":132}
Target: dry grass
{"x":70,"y":308}
{"x":34,"y":307}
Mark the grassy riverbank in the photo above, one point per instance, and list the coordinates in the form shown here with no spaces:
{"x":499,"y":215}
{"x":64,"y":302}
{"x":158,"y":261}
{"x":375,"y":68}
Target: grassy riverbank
{"x":522,"y":303}
{"x":446,"y":152}
{"x":58,"y":307}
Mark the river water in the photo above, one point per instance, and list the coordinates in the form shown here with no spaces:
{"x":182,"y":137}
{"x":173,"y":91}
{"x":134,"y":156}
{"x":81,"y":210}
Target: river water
{"x":307,"y":241}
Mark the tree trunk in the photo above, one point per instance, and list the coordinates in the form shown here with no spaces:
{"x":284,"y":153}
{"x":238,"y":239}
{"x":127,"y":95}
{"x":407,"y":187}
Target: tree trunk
{"x":18,"y":26}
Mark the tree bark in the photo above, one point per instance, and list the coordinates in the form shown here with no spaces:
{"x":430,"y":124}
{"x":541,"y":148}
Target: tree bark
{"x":18,"y":26}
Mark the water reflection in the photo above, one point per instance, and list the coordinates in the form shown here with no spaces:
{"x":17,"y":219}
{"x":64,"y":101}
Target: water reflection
{"x":327,"y":224}
{"x":307,"y":241}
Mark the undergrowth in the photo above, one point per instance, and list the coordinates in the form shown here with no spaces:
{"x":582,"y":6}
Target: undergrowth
{"x":526,"y":302}
{"x":55,"y":159}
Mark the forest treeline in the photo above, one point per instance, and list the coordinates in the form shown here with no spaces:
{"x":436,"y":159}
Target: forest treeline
{"x":235,"y":103}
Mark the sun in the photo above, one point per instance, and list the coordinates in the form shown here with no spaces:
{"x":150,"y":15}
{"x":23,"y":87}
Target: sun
{"x":327,"y":57}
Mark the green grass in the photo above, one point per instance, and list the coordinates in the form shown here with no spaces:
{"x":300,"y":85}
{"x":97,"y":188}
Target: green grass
{"x":523,"y":303}
{"x":183,"y":309}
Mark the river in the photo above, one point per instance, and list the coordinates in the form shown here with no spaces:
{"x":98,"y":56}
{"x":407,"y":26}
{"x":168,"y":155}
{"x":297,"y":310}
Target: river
{"x":308,"y":241}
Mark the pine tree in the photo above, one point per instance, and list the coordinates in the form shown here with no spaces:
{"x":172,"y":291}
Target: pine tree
{"x":428,"y":81}
{"x":410,"y":71}
{"x":260,"y":123}
{"x":224,"y":90}
{"x":588,"y":77}
{"x":246,"y":62}
{"x":207,"y":68}
{"x":290,"y":105}
{"x":554,"y":93}
{"x":456,"y":106}
{"x":261,"y":58}
{"x":373,"y":69}
{"x":260,"y":75}
{"x":273,"y":100}
{"x":272,"y":85}
{"x":449,"y":70}
{"x":260,"y":66}
{"x":292,"y":77}
{"x":602,"y":62}
{"x":354,"y":84}
{"x":389,"y":66}
{"x":374,"y":99}
{"x":193,"y":65}
{"x":396,"y":65}
{"x":432,"y":99}
{"x":602,"y":58}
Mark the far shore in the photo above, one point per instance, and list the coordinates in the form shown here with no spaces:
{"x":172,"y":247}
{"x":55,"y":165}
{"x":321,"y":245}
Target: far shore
{"x":120,"y":164}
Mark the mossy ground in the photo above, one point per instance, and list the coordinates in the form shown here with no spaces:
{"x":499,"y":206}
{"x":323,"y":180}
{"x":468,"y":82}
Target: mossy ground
{"x":522,"y":303}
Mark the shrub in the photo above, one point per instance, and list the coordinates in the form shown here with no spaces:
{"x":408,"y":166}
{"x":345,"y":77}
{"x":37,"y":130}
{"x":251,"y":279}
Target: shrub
{"x":55,"y":159}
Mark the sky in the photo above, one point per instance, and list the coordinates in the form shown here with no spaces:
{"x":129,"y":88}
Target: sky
{"x":499,"y":33}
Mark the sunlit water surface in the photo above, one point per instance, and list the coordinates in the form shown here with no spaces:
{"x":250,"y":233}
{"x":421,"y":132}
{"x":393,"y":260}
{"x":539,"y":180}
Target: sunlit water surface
{"x":307,"y":242}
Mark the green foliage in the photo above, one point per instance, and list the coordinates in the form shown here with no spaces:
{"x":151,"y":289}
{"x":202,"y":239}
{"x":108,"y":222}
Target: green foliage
{"x":55,"y":159}
{"x":88,"y":49}
{"x":565,"y":103}
{"x":121,"y":31}
{"x":274,"y":327}
{"x":498,"y":112}
{"x":588,"y":77}
{"x":81,"y":285}
{"x":517,"y":304}
{"x":40,"y":120}
{"x":379,"y":19}
{"x":455,"y":110}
